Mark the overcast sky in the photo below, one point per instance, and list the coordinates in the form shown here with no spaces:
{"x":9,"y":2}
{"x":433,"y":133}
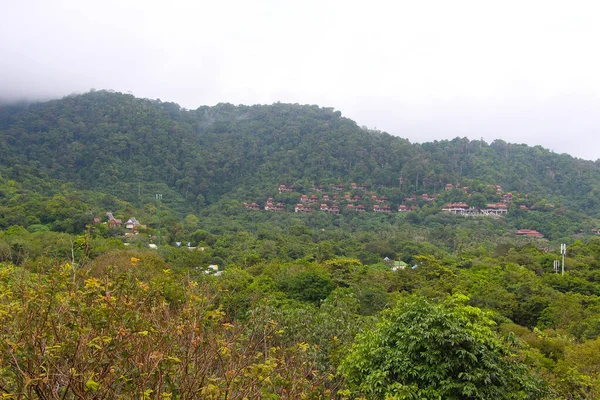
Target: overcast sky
{"x":522,"y":71}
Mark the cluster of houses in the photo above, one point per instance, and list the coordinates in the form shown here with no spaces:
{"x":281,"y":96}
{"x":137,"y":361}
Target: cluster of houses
{"x":131,"y":224}
{"x":310,"y":203}
{"x":307,"y":207}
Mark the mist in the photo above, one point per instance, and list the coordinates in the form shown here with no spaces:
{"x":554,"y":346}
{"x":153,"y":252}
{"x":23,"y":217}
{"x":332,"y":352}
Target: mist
{"x":522,"y":73}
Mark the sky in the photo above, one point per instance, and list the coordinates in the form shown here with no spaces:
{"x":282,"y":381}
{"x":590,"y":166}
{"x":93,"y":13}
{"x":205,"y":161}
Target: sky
{"x":522,"y":71}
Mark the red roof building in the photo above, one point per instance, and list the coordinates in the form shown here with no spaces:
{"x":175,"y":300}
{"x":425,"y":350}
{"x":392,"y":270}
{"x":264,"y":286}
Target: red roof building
{"x":301,"y":208}
{"x":529,"y":233}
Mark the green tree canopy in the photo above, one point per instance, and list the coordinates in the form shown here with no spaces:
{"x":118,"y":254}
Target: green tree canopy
{"x":424,"y":350}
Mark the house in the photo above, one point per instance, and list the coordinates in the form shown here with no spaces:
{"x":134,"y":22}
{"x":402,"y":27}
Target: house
{"x":113,"y":222}
{"x":382,"y":199}
{"x":313,"y":199}
{"x":426,"y":197}
{"x":399,"y":265}
{"x":301,"y":208}
{"x":325,"y":198}
{"x":324,"y":207}
{"x":410,"y":198}
{"x":333,"y":210}
{"x":132,"y":223}
{"x":353,"y":186}
{"x":362,"y":186}
{"x":252,"y":206}
{"x":213,"y":269}
{"x":376,"y":208}
{"x":497,"y":208}
{"x":270,"y":206}
{"x":529,"y":233}
{"x":523,"y":207}
{"x":386,"y":209}
{"x":402,"y":208}
{"x":318,"y":188}
{"x":304,"y":199}
{"x":285,"y":189}
{"x":456,"y":208}
{"x":350,"y":207}
{"x":449,"y":186}
{"x":339,"y":187}
{"x":360,"y":208}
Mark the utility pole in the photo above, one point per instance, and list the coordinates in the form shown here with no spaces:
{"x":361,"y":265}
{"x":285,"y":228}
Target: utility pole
{"x":563,"y":252}
{"x":158,"y":206}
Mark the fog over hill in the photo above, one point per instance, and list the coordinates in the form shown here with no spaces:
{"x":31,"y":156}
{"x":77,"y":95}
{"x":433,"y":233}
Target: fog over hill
{"x":426,"y":72}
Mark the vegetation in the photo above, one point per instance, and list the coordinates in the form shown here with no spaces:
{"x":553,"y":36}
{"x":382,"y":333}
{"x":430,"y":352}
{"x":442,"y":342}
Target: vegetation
{"x":236,"y":303}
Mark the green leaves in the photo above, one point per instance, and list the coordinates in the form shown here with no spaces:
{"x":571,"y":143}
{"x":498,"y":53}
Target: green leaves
{"x":427,"y":350}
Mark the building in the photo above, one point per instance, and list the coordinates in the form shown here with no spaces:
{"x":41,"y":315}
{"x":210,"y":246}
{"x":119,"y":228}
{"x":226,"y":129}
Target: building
{"x":132,"y":223}
{"x":425,"y":197}
{"x":399,"y":265}
{"x":112,"y":221}
{"x":529,"y":233}
{"x":456,"y":208}
{"x":270,"y":206}
{"x":301,"y":208}
{"x":252,"y":206}
{"x":496,"y":209}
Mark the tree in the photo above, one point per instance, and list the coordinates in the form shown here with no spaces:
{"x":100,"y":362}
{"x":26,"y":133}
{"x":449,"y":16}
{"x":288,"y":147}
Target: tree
{"x":424,"y":350}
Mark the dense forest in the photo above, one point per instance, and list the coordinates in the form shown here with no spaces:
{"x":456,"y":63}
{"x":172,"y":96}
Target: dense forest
{"x":210,"y":297}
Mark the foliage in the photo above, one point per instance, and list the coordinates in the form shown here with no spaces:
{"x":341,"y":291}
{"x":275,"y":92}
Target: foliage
{"x":112,"y":335}
{"x":425,"y":350}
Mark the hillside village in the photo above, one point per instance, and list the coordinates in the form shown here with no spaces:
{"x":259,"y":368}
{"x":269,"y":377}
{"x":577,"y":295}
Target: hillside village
{"x":355,"y":198}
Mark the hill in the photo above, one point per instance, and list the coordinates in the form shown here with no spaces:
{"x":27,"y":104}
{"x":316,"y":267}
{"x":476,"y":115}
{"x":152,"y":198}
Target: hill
{"x":239,"y":252}
{"x":104,"y":151}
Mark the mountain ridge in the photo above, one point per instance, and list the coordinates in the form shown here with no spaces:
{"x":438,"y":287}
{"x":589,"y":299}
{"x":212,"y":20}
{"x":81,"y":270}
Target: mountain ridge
{"x":117,"y":144}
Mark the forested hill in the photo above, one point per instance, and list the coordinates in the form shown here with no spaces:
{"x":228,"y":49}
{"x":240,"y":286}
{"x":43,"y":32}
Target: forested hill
{"x":114,"y":143}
